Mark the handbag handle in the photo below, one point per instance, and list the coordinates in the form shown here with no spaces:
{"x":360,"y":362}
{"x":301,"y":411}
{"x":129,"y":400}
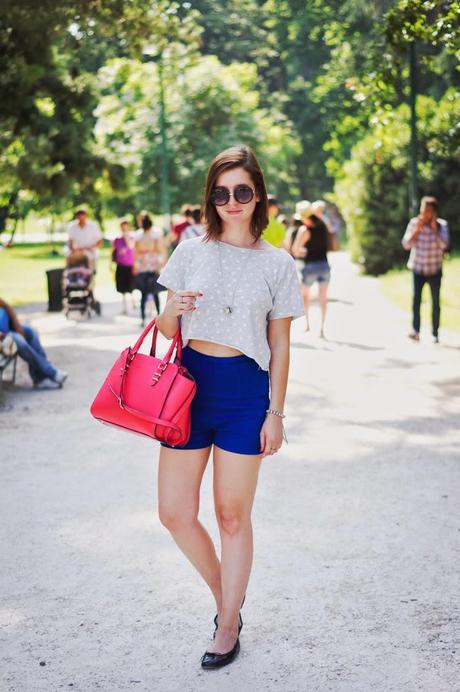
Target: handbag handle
{"x":132,"y":353}
{"x":153,"y":348}
{"x":176,"y":343}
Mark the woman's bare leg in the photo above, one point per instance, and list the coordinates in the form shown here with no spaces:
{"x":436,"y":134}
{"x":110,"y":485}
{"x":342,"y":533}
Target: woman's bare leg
{"x":306,"y":304}
{"x":322,"y":299}
{"x":235,"y":480}
{"x":179,"y":479}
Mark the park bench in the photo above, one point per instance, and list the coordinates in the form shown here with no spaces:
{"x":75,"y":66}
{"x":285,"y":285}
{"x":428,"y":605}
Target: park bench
{"x":5,"y":362}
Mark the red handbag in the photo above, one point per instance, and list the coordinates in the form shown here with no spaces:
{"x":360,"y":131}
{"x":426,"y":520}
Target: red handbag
{"x":148,"y":395}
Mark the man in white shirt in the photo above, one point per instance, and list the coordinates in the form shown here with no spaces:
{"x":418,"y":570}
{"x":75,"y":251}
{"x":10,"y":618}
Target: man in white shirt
{"x":85,"y":236}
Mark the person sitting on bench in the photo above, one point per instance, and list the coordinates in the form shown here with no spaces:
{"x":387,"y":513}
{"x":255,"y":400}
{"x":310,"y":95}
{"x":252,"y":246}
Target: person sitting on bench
{"x":43,"y":373}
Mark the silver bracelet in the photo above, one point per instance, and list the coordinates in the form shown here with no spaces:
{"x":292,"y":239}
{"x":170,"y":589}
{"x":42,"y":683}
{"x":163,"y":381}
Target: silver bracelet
{"x":275,"y":413}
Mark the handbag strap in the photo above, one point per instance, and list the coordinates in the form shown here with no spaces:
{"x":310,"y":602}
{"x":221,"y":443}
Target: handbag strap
{"x":132,"y":353}
{"x":178,"y":358}
{"x":142,"y":414}
{"x":176,"y":343}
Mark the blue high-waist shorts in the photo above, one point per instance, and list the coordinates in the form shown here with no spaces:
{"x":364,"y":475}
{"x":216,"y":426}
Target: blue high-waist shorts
{"x":230,"y":403}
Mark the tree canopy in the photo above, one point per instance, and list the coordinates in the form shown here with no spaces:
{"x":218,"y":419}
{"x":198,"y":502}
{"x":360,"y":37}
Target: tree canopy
{"x":307,"y":83}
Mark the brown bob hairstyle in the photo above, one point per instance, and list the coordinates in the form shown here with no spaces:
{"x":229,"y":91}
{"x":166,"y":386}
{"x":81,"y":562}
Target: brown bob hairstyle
{"x":235,"y":157}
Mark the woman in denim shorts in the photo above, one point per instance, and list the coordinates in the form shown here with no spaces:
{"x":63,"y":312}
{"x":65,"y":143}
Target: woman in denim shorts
{"x":234,"y":296}
{"x":311,"y":244}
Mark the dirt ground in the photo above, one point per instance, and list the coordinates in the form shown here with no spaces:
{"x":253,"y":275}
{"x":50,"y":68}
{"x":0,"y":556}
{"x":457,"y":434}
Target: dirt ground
{"x":357,"y":528}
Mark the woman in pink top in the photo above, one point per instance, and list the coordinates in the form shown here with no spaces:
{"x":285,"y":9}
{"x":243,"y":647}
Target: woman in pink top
{"x":123,"y":256}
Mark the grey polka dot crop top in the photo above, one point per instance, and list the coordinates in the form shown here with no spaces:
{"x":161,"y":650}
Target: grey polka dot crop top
{"x":243,"y":288}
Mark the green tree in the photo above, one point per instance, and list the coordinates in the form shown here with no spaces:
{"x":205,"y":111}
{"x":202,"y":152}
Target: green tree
{"x":51,"y":52}
{"x":213,"y":107}
{"x":372,"y":192}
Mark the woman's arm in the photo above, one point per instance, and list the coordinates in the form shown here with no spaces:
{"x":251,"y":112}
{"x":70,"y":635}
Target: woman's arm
{"x":14,"y":322}
{"x":161,"y":250}
{"x":271,"y":434}
{"x":136,"y":258}
{"x":302,"y":237}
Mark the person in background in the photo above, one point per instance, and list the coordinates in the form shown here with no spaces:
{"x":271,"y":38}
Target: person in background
{"x":139,"y":232}
{"x":196,"y":228}
{"x":319,"y":209}
{"x":85,"y":236}
{"x":149,"y":257}
{"x":43,"y":373}
{"x":174,"y":236}
{"x":311,"y":245}
{"x":123,"y":256}
{"x":291,"y":233}
{"x":427,"y":238}
{"x":275,"y":230}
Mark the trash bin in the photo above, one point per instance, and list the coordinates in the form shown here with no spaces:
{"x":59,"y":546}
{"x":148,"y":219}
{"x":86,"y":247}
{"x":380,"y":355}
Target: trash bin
{"x":54,"y":278}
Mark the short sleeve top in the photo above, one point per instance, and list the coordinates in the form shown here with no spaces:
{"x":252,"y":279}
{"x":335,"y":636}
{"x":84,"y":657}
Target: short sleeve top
{"x":89,"y":234}
{"x":243,"y":289}
{"x":124,"y":252}
{"x":147,"y":257}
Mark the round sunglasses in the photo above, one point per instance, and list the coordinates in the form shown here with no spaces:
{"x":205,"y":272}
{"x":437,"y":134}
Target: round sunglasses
{"x":241,"y":193}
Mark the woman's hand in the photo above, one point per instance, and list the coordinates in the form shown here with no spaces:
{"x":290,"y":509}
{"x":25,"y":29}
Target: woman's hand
{"x":181,"y":302}
{"x":271,"y":435}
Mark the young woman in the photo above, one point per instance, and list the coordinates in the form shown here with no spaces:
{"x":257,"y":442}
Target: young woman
{"x":149,"y":257}
{"x":123,"y":256}
{"x":234,"y":296}
{"x":312,"y":244}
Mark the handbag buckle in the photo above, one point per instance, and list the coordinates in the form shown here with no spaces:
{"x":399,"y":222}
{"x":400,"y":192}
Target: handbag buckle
{"x":129,"y":359}
{"x":159,"y":371}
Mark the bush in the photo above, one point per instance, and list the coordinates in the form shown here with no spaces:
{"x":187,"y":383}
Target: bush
{"x":372,"y":190}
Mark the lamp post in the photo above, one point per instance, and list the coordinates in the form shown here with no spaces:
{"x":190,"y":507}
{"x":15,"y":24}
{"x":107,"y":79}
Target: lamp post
{"x":413,"y":183}
{"x":150,"y":55}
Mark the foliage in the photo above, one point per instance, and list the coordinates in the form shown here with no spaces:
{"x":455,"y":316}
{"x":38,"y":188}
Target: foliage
{"x":33,"y":261}
{"x":218,"y":100}
{"x":304,"y":81}
{"x":51,"y":52}
{"x":372,"y":193}
{"x":435,"y":22}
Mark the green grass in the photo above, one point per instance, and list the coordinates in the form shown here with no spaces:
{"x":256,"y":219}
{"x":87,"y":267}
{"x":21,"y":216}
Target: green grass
{"x":38,"y":225}
{"x":23,"y":271}
{"x":397,"y":287}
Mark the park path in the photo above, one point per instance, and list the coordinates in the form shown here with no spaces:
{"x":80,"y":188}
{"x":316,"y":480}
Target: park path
{"x":357,"y":529}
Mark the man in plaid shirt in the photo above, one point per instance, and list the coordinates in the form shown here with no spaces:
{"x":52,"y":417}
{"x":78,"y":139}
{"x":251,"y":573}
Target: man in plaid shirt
{"x":427,"y":238}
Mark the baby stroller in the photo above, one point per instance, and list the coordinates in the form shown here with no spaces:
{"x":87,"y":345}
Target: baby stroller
{"x":77,"y":285}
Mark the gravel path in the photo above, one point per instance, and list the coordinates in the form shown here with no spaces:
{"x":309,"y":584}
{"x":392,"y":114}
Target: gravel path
{"x":357,"y":528}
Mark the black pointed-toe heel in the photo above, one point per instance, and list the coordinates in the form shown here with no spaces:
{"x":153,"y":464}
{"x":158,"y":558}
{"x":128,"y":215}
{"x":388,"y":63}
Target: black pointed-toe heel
{"x":240,"y":620}
{"x":210,"y":661}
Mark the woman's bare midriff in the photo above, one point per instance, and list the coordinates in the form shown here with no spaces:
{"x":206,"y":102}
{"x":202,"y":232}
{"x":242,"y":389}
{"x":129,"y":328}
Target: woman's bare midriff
{"x":209,"y":348}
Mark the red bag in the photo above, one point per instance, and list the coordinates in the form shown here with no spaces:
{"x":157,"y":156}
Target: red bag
{"x":146,"y":395}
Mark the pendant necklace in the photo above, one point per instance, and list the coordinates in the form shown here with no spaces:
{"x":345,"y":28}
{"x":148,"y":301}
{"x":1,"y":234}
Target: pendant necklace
{"x":228,"y":307}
